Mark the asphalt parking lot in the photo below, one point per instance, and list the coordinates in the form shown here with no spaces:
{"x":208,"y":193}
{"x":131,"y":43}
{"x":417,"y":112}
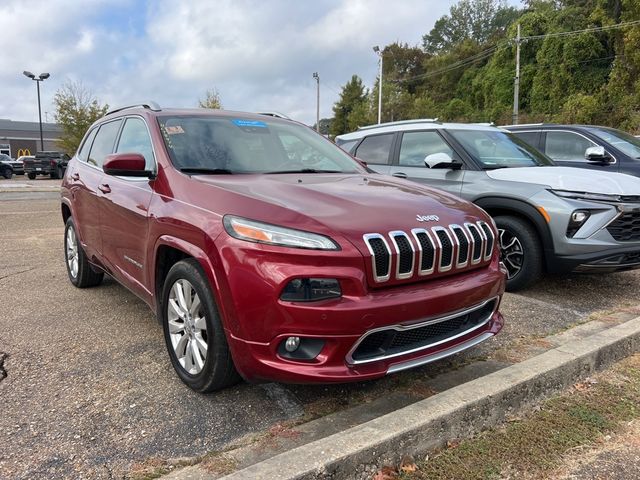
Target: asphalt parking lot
{"x":89,"y":389}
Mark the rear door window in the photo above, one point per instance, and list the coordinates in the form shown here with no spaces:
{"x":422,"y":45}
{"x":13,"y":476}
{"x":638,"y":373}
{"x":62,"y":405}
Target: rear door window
{"x":375,"y":149}
{"x":103,"y":143}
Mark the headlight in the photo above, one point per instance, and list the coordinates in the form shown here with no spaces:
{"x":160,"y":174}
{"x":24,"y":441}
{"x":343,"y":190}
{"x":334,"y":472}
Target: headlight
{"x":597,"y":197}
{"x":258,"y":232}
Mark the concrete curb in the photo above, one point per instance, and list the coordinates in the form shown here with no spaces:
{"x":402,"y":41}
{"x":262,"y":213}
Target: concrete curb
{"x":456,"y":413}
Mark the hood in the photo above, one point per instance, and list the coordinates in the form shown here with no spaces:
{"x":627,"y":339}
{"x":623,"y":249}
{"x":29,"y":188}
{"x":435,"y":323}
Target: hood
{"x":572,"y":179}
{"x":349,"y":204}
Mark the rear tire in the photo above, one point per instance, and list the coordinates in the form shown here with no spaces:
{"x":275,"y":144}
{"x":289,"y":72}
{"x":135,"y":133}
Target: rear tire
{"x":520,"y":251}
{"x":80,"y":272}
{"x":193,"y":331}
{"x":32,"y":176}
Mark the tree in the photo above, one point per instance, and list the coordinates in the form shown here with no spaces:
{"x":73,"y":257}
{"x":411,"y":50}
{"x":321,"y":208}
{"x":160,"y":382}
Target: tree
{"x":76,"y":110}
{"x":325,"y":125}
{"x":352,"y":109}
{"x":478,"y":20}
{"x":211,"y":99}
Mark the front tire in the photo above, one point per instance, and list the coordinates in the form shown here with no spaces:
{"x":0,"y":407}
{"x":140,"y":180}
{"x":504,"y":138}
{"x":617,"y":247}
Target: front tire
{"x":80,"y":272}
{"x":193,"y":331}
{"x":8,"y":173}
{"x":32,"y":176}
{"x":520,"y":251}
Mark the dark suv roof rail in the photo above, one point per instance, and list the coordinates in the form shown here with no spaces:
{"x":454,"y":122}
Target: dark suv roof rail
{"x":274,"y":114}
{"x":400,"y":122}
{"x":148,"y":105}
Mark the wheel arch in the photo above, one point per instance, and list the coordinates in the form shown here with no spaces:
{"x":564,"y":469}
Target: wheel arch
{"x":169,"y":250}
{"x":496,"y":206}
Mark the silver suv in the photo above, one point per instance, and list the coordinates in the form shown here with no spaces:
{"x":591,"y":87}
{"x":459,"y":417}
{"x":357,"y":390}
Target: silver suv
{"x":550,"y":218}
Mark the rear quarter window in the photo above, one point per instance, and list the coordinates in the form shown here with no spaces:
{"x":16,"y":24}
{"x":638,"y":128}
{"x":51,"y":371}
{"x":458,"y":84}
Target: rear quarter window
{"x":375,"y":149}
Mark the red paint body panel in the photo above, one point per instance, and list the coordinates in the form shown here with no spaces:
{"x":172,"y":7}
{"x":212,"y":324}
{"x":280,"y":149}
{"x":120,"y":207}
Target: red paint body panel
{"x":123,"y":231}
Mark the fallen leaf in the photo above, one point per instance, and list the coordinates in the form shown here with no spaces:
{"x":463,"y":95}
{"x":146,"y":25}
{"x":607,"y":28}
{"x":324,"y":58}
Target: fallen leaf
{"x":408,"y":465}
{"x":386,"y":473}
{"x":453,"y":443}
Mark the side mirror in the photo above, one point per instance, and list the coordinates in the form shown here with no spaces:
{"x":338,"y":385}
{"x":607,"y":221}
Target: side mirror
{"x":126,"y":165}
{"x":597,"y":155}
{"x":441,"y":160}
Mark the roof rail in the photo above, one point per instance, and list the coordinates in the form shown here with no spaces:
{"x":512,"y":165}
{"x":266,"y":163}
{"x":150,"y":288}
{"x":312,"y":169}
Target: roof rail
{"x":400,"y":122}
{"x":527,"y":125}
{"x":274,"y":114}
{"x":148,"y":105}
{"x":484,"y":124}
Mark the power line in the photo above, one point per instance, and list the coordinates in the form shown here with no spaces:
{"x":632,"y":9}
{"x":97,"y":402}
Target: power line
{"x":586,"y":30}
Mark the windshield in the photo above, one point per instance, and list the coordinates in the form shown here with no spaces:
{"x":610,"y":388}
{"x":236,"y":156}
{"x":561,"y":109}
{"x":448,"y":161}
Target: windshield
{"x":228,"y":145}
{"x":498,"y":149}
{"x":627,"y":144}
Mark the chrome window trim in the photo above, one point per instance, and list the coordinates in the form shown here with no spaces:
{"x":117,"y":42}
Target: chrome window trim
{"x":454,"y":227}
{"x":481,"y":247}
{"x":430,"y":270}
{"x":444,"y":268}
{"x":368,"y":236}
{"x":400,"y":328}
{"x":399,"y":233}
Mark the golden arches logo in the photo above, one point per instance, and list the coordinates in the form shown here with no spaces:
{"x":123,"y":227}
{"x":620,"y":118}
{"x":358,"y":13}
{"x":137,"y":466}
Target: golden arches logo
{"x":24,"y":152}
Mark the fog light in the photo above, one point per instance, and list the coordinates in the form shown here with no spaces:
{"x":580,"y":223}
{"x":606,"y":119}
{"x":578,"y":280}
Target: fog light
{"x":292,"y":344}
{"x":577,"y":220}
{"x":311,"y":289}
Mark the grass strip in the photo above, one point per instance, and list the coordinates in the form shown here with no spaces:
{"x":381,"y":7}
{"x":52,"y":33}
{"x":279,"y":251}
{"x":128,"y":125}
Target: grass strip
{"x":535,"y":444}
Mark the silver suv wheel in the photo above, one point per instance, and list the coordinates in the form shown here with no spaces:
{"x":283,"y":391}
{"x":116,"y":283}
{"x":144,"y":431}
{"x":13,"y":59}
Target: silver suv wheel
{"x":512,"y":253}
{"x":187,"y":327}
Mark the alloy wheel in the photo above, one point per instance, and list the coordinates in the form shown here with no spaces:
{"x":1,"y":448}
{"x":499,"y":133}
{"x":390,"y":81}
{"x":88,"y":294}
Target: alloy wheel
{"x":511,"y":252}
{"x":187,"y":327}
{"x":72,"y":252}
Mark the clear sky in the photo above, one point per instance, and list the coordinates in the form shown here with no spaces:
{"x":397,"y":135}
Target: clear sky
{"x":260,"y":55}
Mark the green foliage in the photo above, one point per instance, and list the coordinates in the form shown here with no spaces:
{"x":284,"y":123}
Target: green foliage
{"x":76,"y":110}
{"x":465,"y":70}
{"x":211,"y":99}
{"x":352,"y":109}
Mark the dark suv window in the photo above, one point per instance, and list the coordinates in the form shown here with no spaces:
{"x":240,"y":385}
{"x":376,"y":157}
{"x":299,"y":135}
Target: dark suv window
{"x":103,"y":143}
{"x":375,"y":149}
{"x":566,"y":146}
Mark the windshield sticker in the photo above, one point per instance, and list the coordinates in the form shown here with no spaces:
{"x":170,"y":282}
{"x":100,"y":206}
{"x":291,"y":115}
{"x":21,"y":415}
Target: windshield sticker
{"x":174,"y":129}
{"x":249,"y":123}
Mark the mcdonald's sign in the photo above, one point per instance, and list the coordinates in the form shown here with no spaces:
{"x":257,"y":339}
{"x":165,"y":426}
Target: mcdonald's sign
{"x":24,"y":152}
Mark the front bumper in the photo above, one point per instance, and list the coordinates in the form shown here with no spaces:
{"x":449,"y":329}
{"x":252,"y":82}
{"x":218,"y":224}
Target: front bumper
{"x":611,"y":260}
{"x":342,"y":324}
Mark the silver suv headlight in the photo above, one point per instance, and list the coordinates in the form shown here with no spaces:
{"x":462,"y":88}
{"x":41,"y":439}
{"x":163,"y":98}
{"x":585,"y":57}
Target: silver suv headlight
{"x":597,"y":197}
{"x":259,"y":232}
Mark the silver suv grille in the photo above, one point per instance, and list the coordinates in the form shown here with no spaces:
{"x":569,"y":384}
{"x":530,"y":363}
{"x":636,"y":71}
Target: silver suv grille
{"x":423,"y":252}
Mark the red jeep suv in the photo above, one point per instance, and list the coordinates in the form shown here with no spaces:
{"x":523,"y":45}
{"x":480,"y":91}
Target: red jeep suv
{"x":267,"y":252}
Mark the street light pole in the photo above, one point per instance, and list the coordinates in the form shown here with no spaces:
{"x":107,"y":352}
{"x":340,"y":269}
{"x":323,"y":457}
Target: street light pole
{"x":41,"y":77}
{"x":516,"y":82}
{"x":317,"y":77}
{"x":379,"y":52}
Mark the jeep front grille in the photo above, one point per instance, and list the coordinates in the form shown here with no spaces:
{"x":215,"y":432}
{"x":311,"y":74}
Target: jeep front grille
{"x":626,"y":228}
{"x":426,"y":251}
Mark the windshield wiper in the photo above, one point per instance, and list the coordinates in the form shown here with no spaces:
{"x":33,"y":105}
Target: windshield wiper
{"x":304,"y":170}
{"x":207,"y":171}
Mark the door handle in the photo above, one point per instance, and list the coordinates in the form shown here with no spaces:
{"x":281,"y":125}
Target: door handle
{"x":104,"y":188}
{"x":399,"y":174}
{"x":75,"y":176}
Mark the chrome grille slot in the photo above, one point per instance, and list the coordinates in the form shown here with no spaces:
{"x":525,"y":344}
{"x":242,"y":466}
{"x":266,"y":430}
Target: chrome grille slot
{"x":380,"y":256}
{"x":445,"y":245}
{"x":405,"y":254}
{"x":426,"y":251}
{"x":463,"y":246}
{"x":490,"y":240}
{"x":478,"y":242}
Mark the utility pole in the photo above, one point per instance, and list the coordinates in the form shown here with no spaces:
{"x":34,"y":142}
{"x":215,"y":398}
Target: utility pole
{"x":317,"y":77}
{"x":516,"y":82}
{"x":379,"y":52}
